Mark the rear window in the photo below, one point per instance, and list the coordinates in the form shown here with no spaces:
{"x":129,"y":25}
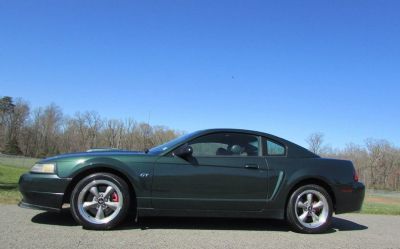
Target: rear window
{"x":274,"y":149}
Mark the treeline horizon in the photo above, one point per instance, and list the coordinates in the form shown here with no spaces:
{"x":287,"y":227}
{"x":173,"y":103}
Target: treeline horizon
{"x":377,"y":161}
{"x":47,"y":131}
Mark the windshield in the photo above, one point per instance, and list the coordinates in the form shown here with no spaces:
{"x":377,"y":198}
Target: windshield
{"x":170,"y":144}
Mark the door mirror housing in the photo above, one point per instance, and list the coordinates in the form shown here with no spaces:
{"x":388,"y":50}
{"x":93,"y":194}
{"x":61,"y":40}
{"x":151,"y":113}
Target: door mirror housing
{"x":184,"y":151}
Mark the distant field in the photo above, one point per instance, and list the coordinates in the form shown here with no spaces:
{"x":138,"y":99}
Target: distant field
{"x":376,"y":202}
{"x":17,"y":161}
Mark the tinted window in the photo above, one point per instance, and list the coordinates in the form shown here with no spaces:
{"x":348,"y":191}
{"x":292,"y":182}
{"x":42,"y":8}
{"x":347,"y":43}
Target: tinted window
{"x":275,"y":149}
{"x":225,"y":144}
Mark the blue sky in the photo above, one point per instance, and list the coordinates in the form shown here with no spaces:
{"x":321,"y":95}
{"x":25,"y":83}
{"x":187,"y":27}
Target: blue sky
{"x":289,"y":68}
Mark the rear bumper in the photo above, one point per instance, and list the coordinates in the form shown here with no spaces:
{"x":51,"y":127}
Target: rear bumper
{"x":42,"y":191}
{"x":349,"y":198}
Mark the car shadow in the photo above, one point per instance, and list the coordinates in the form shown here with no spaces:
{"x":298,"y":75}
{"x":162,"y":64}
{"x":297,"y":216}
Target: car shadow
{"x":346,"y":225}
{"x":211,"y":224}
{"x":65,"y":218}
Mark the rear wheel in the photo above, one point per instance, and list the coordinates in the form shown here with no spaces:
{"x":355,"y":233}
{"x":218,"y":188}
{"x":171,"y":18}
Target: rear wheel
{"x":100,"y":201}
{"x":309,"y":209}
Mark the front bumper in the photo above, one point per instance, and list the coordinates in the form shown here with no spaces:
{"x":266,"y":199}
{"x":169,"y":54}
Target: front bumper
{"x":42,"y":191}
{"x":349,"y":198}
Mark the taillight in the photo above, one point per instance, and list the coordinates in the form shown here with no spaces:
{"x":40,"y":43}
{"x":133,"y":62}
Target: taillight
{"x":355,"y":176}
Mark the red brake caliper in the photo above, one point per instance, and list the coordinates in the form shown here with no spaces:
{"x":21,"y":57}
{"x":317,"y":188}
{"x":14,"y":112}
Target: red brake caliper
{"x":114,"y":197}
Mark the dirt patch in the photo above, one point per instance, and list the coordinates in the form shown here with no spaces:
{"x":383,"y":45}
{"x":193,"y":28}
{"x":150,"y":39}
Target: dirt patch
{"x":384,"y":200}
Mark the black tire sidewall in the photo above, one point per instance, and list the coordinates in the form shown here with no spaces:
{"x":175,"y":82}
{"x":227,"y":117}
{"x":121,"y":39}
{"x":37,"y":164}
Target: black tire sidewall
{"x":121,"y":184}
{"x":291,"y":215}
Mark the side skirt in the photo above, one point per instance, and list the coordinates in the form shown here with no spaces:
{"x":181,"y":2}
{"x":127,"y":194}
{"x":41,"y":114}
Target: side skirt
{"x":266,"y":214}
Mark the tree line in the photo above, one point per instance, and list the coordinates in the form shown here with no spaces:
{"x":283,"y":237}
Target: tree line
{"x":377,"y":161}
{"x":47,"y":131}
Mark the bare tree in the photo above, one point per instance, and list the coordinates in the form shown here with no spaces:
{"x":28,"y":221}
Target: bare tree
{"x":143,"y":134}
{"x":382,"y":162}
{"x":89,"y":125}
{"x":41,"y":136}
{"x":113,"y":133}
{"x":162,"y":134}
{"x":315,"y":141}
{"x":128,"y":140}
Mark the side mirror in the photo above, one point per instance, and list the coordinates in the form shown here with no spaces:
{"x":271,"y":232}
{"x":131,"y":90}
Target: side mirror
{"x":184,"y":151}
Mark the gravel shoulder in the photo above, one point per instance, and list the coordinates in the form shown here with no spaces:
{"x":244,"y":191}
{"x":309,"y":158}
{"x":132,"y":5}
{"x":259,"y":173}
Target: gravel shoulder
{"x":25,"y":228}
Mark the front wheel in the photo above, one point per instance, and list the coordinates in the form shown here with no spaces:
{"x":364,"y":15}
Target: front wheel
{"x":309,"y":209}
{"x":100,"y":201}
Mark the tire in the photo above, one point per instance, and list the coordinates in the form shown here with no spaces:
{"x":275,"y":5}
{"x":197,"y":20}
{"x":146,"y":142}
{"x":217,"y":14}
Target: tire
{"x":100,"y":201}
{"x":306,"y":218}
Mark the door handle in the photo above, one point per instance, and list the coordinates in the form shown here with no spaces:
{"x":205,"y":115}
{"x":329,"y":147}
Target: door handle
{"x":251,"y":166}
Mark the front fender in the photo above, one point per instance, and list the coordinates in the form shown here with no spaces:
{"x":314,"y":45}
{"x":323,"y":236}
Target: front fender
{"x":130,"y":171}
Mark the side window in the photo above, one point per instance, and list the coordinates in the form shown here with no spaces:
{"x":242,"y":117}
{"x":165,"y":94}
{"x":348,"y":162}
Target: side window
{"x":225,"y":144}
{"x":208,"y":149}
{"x":273,"y":148}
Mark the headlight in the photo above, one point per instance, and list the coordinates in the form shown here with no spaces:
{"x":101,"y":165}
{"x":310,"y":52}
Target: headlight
{"x":48,"y":168}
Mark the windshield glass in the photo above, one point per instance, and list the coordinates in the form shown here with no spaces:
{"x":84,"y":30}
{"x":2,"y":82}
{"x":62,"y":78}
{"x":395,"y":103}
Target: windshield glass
{"x":170,"y":144}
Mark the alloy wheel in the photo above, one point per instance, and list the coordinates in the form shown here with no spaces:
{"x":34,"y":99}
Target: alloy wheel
{"x":100,"y":201}
{"x":311,"y":208}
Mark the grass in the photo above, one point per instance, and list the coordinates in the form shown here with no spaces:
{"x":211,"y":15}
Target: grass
{"x":9,"y":176}
{"x":381,"y":204}
{"x":12,"y":167}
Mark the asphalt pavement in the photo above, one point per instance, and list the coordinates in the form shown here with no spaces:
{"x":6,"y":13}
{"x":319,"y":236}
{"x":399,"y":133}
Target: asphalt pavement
{"x":25,"y":228}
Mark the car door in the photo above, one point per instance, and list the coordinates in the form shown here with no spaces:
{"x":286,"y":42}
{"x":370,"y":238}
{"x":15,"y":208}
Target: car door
{"x":225,"y":172}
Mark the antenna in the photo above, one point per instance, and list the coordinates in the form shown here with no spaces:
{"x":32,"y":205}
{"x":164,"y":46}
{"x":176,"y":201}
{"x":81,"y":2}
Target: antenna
{"x":146,"y":137}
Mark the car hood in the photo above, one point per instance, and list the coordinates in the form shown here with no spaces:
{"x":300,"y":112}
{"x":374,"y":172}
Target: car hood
{"x":93,"y":154}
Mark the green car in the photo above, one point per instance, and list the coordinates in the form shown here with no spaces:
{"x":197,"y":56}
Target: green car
{"x":212,"y":173}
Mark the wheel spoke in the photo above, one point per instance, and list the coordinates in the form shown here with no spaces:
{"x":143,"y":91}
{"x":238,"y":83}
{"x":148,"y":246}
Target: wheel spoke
{"x":109,"y":190}
{"x":314,"y":217}
{"x":89,"y":204}
{"x":318,"y":205}
{"x":94,"y":191}
{"x":112,"y":205}
{"x":301,"y":205}
{"x":100,"y":213}
{"x":303,"y":216}
{"x":309,"y":198}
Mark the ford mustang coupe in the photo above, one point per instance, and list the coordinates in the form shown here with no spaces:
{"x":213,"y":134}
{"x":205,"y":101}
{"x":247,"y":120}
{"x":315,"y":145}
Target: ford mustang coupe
{"x":213,"y":173}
